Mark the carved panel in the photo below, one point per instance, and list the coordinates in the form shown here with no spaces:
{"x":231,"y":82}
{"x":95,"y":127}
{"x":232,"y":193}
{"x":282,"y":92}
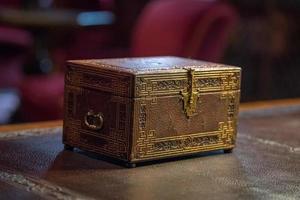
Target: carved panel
{"x":114,"y":142}
{"x":149,"y":145}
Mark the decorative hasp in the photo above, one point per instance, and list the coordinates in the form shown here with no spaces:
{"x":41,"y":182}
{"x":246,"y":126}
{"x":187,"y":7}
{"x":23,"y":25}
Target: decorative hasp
{"x":191,"y":96}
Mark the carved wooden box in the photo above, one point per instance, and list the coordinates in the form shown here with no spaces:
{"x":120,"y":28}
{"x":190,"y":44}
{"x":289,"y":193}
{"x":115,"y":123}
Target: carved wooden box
{"x":139,"y":109}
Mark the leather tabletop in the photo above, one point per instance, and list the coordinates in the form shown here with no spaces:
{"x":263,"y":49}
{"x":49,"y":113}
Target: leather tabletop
{"x":264,"y":165}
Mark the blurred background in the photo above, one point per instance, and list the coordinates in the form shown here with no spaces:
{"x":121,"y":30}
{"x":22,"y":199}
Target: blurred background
{"x":38,"y":36}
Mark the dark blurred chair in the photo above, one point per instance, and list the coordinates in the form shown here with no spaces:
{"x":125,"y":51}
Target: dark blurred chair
{"x":190,"y":28}
{"x":13,"y":46}
{"x":87,"y":42}
{"x":14,"y":43}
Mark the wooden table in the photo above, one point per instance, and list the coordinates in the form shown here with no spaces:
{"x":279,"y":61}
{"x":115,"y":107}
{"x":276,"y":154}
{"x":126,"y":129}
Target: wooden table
{"x":264,"y":165}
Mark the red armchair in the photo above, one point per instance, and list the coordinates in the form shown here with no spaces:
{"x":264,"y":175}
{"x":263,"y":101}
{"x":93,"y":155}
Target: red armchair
{"x":190,"y":28}
{"x":42,"y":98}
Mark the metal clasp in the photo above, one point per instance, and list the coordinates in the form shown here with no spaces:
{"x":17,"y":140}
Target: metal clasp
{"x":93,"y":120}
{"x":190,"y":97}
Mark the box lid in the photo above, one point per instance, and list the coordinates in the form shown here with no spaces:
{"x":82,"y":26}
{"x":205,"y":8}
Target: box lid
{"x":150,"y":65}
{"x":155,"y":76}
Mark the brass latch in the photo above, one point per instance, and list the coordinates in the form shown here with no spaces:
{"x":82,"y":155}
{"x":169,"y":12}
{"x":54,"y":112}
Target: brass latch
{"x":93,"y":120}
{"x":190,"y":97}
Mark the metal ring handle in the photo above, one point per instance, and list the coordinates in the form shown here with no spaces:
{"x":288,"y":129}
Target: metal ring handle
{"x":93,"y":121}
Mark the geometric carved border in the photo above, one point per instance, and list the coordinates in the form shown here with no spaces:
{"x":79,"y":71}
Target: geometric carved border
{"x":148,"y":145}
{"x":170,"y":84}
